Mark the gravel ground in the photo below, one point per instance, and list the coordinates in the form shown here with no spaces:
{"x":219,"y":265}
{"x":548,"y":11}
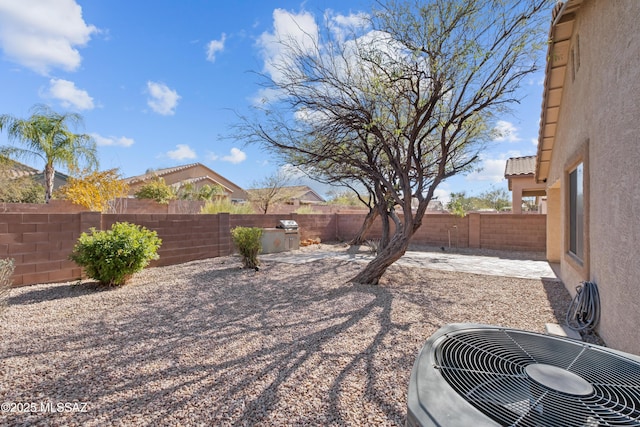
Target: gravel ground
{"x":208,"y":343}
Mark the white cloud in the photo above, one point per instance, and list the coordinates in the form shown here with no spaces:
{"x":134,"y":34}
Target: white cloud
{"x":491,"y":170}
{"x":265,"y":96}
{"x":42,"y":35}
{"x":505,"y":131}
{"x":69,"y":95}
{"x":162,"y":99}
{"x":298,"y":29}
{"x":182,"y":152}
{"x":534,"y":141}
{"x":215,"y":46}
{"x":295,"y":34}
{"x":442,"y":194}
{"x":121,"y":141}
{"x":353,"y":20}
{"x":343,"y":25}
{"x":235,"y":156}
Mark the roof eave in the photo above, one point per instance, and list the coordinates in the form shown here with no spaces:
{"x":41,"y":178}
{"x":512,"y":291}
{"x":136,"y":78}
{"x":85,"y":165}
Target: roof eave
{"x":560,"y":35}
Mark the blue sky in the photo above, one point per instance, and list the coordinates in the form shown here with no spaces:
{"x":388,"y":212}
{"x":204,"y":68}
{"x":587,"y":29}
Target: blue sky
{"x":159,"y":82}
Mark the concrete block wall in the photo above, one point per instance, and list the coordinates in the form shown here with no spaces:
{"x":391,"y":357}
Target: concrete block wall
{"x":524,"y":232}
{"x":488,"y":231}
{"x":54,"y":206}
{"x":311,"y":226}
{"x":443,"y":230}
{"x":40,"y":243}
{"x":184,"y":237}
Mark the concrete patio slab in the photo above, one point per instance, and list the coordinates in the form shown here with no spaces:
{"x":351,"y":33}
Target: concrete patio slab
{"x":446,"y":261}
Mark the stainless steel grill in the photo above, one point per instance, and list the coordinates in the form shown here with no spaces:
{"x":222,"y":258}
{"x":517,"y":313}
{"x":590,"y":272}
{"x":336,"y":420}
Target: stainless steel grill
{"x":285,"y":237}
{"x":287,"y":224}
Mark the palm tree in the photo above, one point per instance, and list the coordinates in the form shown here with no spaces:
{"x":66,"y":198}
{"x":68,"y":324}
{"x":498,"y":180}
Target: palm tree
{"x":46,"y":135}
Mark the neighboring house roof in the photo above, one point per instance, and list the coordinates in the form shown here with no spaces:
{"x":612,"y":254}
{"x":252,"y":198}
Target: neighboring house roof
{"x":522,"y":169}
{"x":196,"y":173}
{"x":305,"y":193}
{"x":563,"y":18}
{"x":15,"y":170}
{"x":203,"y":179}
{"x":302,"y":193}
{"x":520,"y":166}
{"x":157,"y":172}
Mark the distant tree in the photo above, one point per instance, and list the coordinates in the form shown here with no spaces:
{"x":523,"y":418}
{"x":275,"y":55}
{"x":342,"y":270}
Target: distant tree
{"x":459,"y":204}
{"x":496,"y":199}
{"x":406,"y":103}
{"x":95,"y":190}
{"x":156,"y":189}
{"x":46,"y":135}
{"x":207,"y":192}
{"x":344,"y":198}
{"x":270,"y":191}
{"x":530,"y":204}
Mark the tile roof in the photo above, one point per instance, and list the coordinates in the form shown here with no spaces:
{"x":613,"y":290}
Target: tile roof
{"x":519,"y":166}
{"x":297,"y":192}
{"x":158,"y":172}
{"x":200,"y":179}
{"x":12,"y":169}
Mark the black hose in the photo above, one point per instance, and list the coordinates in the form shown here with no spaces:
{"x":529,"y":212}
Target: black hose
{"x":584,"y":310}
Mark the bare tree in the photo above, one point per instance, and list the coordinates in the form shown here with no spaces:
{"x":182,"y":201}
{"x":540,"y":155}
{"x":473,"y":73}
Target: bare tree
{"x":270,"y":191}
{"x":406,"y":102}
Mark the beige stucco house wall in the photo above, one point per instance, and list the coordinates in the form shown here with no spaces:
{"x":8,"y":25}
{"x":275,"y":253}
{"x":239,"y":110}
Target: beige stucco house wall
{"x":591,"y":116}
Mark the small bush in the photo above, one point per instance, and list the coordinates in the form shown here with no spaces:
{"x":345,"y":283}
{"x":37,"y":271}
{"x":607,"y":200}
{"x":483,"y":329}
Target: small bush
{"x":248,"y":243}
{"x":113,"y":256}
{"x":6,"y":271}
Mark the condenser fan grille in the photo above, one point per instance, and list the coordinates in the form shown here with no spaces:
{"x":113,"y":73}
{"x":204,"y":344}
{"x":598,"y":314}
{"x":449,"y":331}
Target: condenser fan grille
{"x":519,"y":378}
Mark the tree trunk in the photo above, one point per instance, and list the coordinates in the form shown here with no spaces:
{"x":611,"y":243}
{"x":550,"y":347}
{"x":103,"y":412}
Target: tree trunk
{"x":49,"y":174}
{"x":391,"y":253}
{"x":361,"y":236}
{"x":386,"y":229}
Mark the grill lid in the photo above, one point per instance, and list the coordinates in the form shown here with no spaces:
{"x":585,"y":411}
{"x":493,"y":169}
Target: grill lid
{"x":287,"y":224}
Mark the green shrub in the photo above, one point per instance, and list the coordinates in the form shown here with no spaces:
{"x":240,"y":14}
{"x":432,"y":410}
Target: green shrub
{"x":113,"y":256}
{"x":157,"y":190}
{"x":226,"y":206}
{"x":6,"y":271}
{"x":248,"y":243}
{"x":305,"y":210}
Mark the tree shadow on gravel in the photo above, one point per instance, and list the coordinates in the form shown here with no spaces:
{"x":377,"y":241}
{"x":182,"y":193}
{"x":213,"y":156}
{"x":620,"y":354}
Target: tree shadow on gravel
{"x":234,"y":347}
{"x":57,"y":291}
{"x":218,"y":345}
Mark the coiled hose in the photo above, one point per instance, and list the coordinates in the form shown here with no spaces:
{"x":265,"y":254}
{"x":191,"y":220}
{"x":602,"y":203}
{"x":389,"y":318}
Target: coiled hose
{"x":584,"y":310}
